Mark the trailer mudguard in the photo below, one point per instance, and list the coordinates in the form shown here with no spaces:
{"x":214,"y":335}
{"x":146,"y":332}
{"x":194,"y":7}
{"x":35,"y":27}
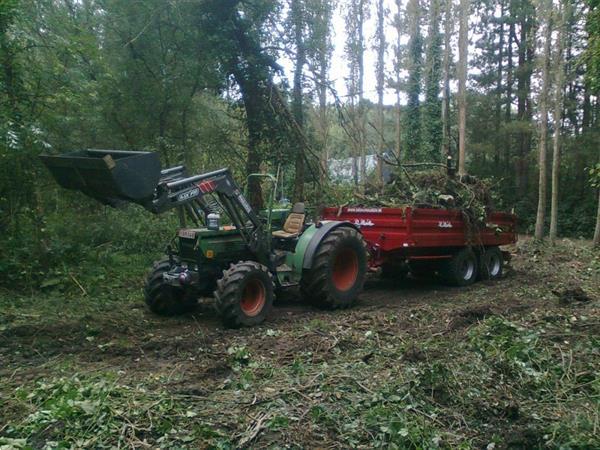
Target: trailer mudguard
{"x":309,"y":242}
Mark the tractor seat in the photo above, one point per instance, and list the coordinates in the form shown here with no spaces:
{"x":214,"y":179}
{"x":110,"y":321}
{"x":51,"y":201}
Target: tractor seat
{"x":293,"y":224}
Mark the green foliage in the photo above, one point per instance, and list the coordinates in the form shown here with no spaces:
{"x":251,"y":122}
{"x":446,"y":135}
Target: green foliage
{"x":592,"y":53}
{"x":102,"y":412}
{"x":88,"y":244}
{"x":432,"y":107}
{"x":594,"y":174}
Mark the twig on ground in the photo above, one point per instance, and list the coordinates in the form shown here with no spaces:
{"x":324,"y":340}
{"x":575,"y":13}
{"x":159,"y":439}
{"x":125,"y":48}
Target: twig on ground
{"x":78,"y":284}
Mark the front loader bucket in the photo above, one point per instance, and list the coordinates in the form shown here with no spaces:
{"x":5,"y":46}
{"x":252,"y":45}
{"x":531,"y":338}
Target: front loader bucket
{"x":109,"y":176}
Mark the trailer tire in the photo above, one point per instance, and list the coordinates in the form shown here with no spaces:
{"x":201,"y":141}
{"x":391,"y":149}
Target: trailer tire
{"x":244,"y":295}
{"x":162,"y":298}
{"x":461,"y":269}
{"x":491,"y":263}
{"x":338,"y":270}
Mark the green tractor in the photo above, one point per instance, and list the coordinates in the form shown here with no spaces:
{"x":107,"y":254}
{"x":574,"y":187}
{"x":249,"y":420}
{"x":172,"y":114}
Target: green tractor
{"x":244,"y":263}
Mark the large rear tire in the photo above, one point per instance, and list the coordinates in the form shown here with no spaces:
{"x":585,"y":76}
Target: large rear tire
{"x":244,"y":295}
{"x":337,"y":275}
{"x":461,"y":269}
{"x":162,"y":298}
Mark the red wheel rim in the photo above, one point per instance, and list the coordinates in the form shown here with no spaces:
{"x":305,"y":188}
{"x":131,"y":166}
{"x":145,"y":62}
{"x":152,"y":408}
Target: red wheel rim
{"x":253,"y":298}
{"x":345,"y":269}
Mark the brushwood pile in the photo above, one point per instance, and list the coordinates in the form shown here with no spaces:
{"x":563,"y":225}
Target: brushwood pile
{"x":432,"y":188}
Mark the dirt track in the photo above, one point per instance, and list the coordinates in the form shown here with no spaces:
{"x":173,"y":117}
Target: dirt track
{"x":260,"y":385}
{"x":148,"y":343}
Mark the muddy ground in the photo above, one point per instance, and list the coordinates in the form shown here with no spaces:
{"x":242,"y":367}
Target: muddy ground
{"x":415,"y":364}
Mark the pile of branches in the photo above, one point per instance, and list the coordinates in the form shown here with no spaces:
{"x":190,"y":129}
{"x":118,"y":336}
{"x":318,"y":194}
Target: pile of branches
{"x":435,"y":187}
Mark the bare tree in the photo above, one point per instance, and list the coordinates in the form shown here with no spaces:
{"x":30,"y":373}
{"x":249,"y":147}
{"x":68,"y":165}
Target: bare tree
{"x":380,"y":75}
{"x":559,"y":64}
{"x":597,"y":230}
{"x":356,"y":15}
{"x":447,"y":60}
{"x":397,"y":81}
{"x":463,"y":47}
{"x":362,"y":16}
{"x":319,"y":50}
{"x":298,"y":20}
{"x":545,"y":13}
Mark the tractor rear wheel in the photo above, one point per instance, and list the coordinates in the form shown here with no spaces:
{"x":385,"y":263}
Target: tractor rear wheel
{"x":162,"y":298}
{"x":338,"y":270}
{"x":244,"y":294}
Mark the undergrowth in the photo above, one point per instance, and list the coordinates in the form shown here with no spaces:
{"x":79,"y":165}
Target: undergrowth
{"x":518,"y":370}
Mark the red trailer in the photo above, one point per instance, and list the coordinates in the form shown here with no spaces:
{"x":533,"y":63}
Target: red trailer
{"x":426,"y":240}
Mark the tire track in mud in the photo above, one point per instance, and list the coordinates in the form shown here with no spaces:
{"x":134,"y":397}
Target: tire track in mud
{"x":198,"y":342}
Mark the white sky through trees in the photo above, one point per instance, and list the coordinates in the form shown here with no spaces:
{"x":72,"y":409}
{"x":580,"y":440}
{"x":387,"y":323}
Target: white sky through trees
{"x":339,"y":66}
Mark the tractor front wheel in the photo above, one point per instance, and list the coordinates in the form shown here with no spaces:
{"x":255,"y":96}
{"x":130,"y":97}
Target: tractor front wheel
{"x":244,"y":294}
{"x":162,"y":298}
{"x":338,"y":270}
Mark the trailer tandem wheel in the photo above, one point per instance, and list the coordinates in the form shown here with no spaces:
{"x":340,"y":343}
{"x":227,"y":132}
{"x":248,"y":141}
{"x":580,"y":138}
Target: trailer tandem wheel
{"x":461,"y":269}
{"x":491,"y":263}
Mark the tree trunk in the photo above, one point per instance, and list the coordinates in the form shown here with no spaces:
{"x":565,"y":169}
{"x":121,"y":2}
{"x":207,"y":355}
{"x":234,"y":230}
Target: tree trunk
{"x":380,"y":35}
{"x":251,"y":99}
{"x":546,"y":12}
{"x":354,"y":54}
{"x":398,"y":79}
{"x":524,"y":72}
{"x":414,"y":65}
{"x":557,"y":115}
{"x":448,"y":28}
{"x":297,"y":106}
{"x":361,"y":92}
{"x":432,"y":107}
{"x":462,"y":83}
{"x":579,"y":150}
{"x":323,"y":119}
{"x":509,"y":93}
{"x":597,"y":230}
{"x":497,"y":142}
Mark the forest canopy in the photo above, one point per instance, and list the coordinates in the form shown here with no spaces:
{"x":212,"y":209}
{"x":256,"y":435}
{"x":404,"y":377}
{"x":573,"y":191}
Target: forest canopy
{"x":476,"y":328}
{"x":507,"y":88}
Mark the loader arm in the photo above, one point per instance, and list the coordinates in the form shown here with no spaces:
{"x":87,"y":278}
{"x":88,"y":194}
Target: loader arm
{"x":114,"y":176}
{"x":188,"y":192}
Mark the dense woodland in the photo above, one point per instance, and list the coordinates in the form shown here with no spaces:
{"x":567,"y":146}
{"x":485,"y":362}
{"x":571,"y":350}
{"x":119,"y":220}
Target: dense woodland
{"x":508,"y":88}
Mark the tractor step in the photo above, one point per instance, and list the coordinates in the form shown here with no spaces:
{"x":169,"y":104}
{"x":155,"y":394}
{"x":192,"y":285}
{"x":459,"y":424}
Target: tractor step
{"x":284,"y":273}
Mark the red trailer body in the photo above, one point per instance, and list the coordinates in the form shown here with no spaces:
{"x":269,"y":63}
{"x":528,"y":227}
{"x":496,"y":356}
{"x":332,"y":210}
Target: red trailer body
{"x":422,"y":233}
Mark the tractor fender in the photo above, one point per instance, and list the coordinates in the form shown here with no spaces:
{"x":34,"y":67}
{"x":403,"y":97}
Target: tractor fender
{"x":315,"y":238}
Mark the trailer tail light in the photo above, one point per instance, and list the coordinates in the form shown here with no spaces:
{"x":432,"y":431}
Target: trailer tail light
{"x":207,"y":186}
